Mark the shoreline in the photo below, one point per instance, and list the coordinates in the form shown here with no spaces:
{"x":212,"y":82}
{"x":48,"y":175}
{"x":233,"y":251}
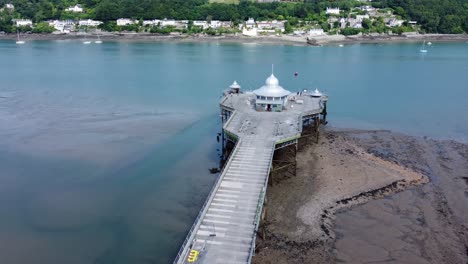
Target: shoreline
{"x":229,"y":38}
{"x":369,"y":195}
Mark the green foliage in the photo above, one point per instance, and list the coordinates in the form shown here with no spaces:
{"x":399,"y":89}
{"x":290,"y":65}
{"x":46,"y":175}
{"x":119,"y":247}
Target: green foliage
{"x":435,"y":16}
{"x":350,"y":31}
{"x":366,"y":23}
{"x":443,"y":16}
{"x":6,"y":24}
{"x":325,"y":26}
{"x":288,"y":28}
{"x":43,"y":27}
{"x":22,"y":29}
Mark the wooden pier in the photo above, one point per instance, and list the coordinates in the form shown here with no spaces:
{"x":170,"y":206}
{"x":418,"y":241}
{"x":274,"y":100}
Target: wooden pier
{"x":226,"y":227}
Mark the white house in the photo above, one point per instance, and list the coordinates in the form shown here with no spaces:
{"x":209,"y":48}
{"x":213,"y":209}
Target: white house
{"x":153,"y":22}
{"x":316,"y":32}
{"x":299,"y":32}
{"x":125,"y":22}
{"x":393,"y":22}
{"x":181,"y":24}
{"x":200,"y":23}
{"x":332,"y":11}
{"x":360,"y":18}
{"x":273,"y":24}
{"x":89,"y":23}
{"x":62,"y":25}
{"x":76,"y":9}
{"x":226,"y":24}
{"x":10,"y":6}
{"x":367,"y":8}
{"x":215,"y":24}
{"x":250,"y":23}
{"x":343,"y":22}
{"x":22,"y":22}
{"x":168,"y":22}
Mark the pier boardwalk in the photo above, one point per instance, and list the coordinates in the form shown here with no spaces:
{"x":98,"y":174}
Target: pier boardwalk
{"x":225,"y":229}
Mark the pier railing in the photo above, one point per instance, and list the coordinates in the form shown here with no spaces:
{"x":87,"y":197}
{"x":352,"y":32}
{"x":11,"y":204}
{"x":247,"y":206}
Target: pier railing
{"x":190,"y":235}
{"x":258,"y":215}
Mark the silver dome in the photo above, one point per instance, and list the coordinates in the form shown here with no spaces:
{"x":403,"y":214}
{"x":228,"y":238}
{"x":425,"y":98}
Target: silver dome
{"x":271,"y":88}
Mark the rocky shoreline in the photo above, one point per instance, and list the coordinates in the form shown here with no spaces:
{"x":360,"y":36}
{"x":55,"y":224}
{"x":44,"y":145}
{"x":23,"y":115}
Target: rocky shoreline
{"x":317,"y":216}
{"x":274,"y":40}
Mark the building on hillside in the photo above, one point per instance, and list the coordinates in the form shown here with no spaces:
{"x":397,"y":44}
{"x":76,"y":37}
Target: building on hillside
{"x":393,"y":22}
{"x":367,"y":8}
{"x":168,"y":22}
{"x":332,"y":11}
{"x":360,"y":18}
{"x":76,"y":9}
{"x":200,"y":23}
{"x":250,"y":23}
{"x":315,"y":32}
{"x":226,"y":24}
{"x":271,"y":96}
{"x":271,"y":25}
{"x":125,"y":22}
{"x":215,"y":24}
{"x":181,"y":24}
{"x":22,"y":22}
{"x":89,"y":23}
{"x":153,"y":22}
{"x":9,"y":6}
{"x":343,"y":22}
{"x":64,"y":26}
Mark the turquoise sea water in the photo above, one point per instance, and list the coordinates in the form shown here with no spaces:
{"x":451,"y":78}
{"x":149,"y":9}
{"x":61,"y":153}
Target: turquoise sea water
{"x":105,"y":149}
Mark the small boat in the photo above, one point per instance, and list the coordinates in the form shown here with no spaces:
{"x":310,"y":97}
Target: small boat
{"x":86,"y":42}
{"x":429,"y":43}
{"x":99,"y":41}
{"x":341,"y":45}
{"x":18,"y":40}
{"x":423,"y":48}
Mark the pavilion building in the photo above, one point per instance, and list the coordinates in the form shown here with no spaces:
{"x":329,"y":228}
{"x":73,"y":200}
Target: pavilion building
{"x":271,"y":97}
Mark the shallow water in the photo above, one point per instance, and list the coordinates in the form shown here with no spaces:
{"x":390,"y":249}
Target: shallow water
{"x":105,"y":149}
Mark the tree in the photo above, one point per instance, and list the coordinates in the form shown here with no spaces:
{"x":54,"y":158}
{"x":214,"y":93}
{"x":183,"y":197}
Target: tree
{"x":43,"y":27}
{"x":108,"y":10}
{"x":366,"y":23}
{"x":350,"y":31}
{"x":287,"y":27}
{"x":450,"y":24}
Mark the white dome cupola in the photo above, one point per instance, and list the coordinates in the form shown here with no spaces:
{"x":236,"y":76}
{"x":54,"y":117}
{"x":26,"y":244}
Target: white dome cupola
{"x":271,"y":88}
{"x":272,"y":81}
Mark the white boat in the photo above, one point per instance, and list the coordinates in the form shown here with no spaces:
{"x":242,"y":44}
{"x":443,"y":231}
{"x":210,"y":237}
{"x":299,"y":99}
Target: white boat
{"x":423,"y":48}
{"x":18,"y":40}
{"x":99,"y":41}
{"x":429,"y":43}
{"x":86,"y":42}
{"x":341,"y":45}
